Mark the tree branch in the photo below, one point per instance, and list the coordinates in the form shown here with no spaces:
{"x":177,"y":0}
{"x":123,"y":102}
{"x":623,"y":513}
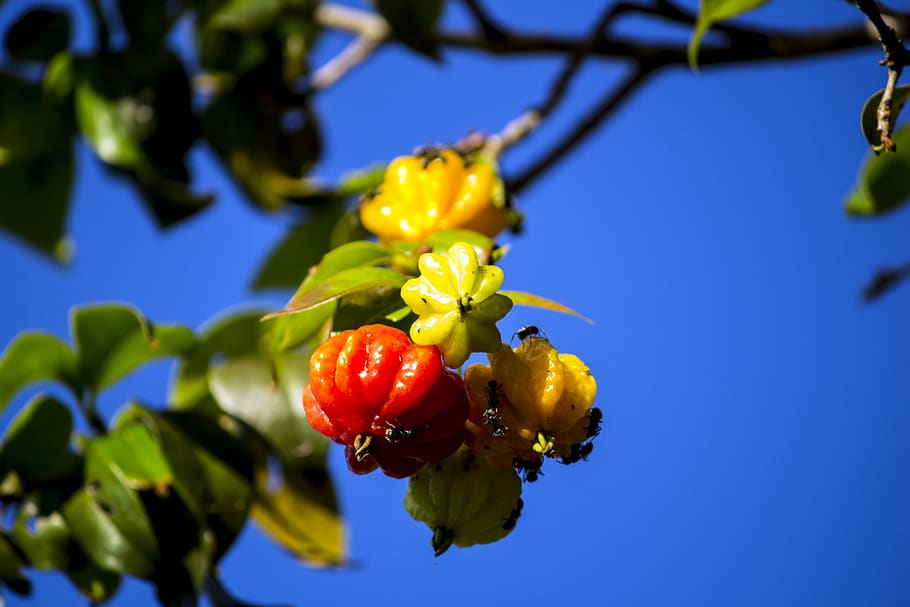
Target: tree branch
{"x":372,"y":30}
{"x":490,"y":29}
{"x":896,"y":57}
{"x":581,"y":129}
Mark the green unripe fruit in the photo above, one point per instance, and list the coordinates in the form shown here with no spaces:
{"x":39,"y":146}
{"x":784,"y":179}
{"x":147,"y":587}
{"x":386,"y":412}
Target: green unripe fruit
{"x":464,"y":500}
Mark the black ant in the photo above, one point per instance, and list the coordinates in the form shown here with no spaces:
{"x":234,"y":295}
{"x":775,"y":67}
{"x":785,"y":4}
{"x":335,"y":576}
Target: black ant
{"x":594,"y":420}
{"x":526,"y":332}
{"x":509,"y":523}
{"x":395,"y":434}
{"x":579,"y":452}
{"x":491,"y":414}
{"x":529,"y":469}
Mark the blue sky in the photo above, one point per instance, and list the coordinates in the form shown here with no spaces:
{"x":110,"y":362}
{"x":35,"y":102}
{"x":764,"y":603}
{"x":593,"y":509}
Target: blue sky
{"x":754,"y":441}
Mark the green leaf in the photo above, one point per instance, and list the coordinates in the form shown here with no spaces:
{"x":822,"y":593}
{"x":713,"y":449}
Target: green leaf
{"x":413,"y":22}
{"x":97,"y":585}
{"x":302,"y":247}
{"x":237,"y":334}
{"x":38,"y":35}
{"x":483,"y":245}
{"x":267,"y":158}
{"x":869,"y":115}
{"x":246,"y":15}
{"x":107,"y":517}
{"x":36,"y":445}
{"x":11,"y":568}
{"x":33,"y":357}
{"x":712,"y":11}
{"x":36,"y":166}
{"x":246,"y":388}
{"x":112,"y":340}
{"x":527,"y":299}
{"x":137,"y":455}
{"x":145,"y":22}
{"x":301,"y":514}
{"x":44,"y":538}
{"x":884,"y":182}
{"x":359,"y":182}
{"x":112,"y":126}
{"x":344,"y":283}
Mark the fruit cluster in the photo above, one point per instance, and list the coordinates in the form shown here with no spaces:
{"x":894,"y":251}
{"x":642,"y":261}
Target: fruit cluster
{"x":396,"y":399}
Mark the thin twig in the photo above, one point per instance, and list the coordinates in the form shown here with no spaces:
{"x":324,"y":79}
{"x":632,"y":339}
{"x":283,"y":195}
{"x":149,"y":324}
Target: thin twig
{"x":896,"y":57}
{"x":490,"y":29}
{"x":372,"y":32}
{"x":582,"y":129}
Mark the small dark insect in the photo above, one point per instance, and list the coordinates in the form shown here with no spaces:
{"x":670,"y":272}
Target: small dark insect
{"x":579,"y":452}
{"x":529,"y":469}
{"x":526,"y":332}
{"x":395,"y":434}
{"x":594,"y":420}
{"x":494,"y":392}
{"x":509,"y":523}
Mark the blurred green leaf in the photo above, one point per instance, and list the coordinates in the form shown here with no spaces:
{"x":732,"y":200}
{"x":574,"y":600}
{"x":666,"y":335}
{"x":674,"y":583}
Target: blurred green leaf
{"x":357,"y":254}
{"x":33,"y":357}
{"x":884,"y":182}
{"x":869,"y":115}
{"x":112,"y":340}
{"x":361,"y":181}
{"x":346,"y":282}
{"x":212,"y":471}
{"x":712,"y":11}
{"x":413,"y":22}
{"x":11,"y":568}
{"x":267,"y":145}
{"x":36,"y":445}
{"x":246,"y":15}
{"x":112,"y":126}
{"x":299,"y":511}
{"x":107,"y":517}
{"x":227,"y":55}
{"x":44,"y":539}
{"x":247,"y":389}
{"x":38,"y":35}
{"x":520,"y":298}
{"x":137,"y":455}
{"x":369,"y":307}
{"x":302,"y":247}
{"x":36,"y":166}
{"x":236,"y":334}
{"x":145,"y":22}
{"x":96,"y":584}
{"x":443,"y":240}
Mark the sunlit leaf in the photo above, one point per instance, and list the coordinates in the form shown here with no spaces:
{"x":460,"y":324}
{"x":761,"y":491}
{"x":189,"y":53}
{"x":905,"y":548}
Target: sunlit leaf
{"x":869,"y":115}
{"x":137,"y":455}
{"x":33,"y":357}
{"x":113,"y":340}
{"x":109,"y":125}
{"x":36,"y":445}
{"x":444,"y":239}
{"x":712,"y":11}
{"x":344,"y":283}
{"x":301,"y":515}
{"x":884,"y":182}
{"x":527,"y":299}
{"x":38,"y":35}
